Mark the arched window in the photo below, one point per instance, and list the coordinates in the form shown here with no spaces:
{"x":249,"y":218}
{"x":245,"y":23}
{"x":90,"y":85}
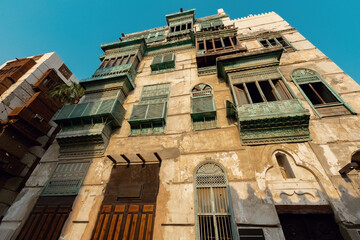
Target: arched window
{"x":214,"y":218}
{"x":323,"y":99}
{"x":284,"y":165}
{"x":203,"y":111}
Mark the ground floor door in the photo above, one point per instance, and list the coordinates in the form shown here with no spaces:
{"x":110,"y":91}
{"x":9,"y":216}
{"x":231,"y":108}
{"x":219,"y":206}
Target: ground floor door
{"x":309,"y":227}
{"x":129,"y":205}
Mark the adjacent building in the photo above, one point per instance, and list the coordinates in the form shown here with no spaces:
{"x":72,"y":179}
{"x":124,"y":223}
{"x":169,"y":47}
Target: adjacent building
{"x":205,"y":128}
{"x":26,"y":112}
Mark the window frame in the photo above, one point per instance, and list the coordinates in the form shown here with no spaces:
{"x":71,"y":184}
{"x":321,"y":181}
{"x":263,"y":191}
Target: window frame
{"x":213,"y":213}
{"x":341,"y":102}
{"x":140,"y":131}
{"x":204,"y":115}
{"x":278,"y":43}
{"x":282,"y":78}
{"x":162,"y":66}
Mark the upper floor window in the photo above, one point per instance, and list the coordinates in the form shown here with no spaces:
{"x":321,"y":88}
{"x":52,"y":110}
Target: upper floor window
{"x":149,"y":116}
{"x":217,"y":44}
{"x":261,"y":91}
{"x":276,"y":41}
{"x":284,"y":165}
{"x":211,"y":25}
{"x":323,"y":99}
{"x":203,"y":111}
{"x":120,"y":60}
{"x":163,"y":62}
{"x":180,"y":27}
{"x":214,"y":217}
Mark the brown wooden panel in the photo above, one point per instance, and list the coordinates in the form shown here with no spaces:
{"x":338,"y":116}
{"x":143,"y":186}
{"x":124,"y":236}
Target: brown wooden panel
{"x":118,"y":227}
{"x":43,"y":106}
{"x":31,"y":118}
{"x":33,"y":226}
{"x":65,"y":71}
{"x":148,"y":208}
{"x":127,"y":226}
{"x":44,"y":223}
{"x":104,"y":227}
{"x":26,"y":228}
{"x":59,"y":226}
{"x":38,"y":229}
{"x":98,"y":226}
{"x":46,"y":226}
{"x":47,"y":81}
{"x":112,"y":227}
{"x":149,"y":227}
{"x":133,"y":226}
{"x":133,"y":208}
{"x":119,"y":208}
{"x":106,"y":208}
{"x":142,"y":227}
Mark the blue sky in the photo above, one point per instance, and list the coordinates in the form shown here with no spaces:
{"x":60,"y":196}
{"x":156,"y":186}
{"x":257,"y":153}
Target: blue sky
{"x":76,"y":28}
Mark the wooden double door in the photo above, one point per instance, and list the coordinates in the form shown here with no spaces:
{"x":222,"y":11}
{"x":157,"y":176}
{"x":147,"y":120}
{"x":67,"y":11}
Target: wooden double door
{"x":47,"y":218}
{"x":309,"y":227}
{"x":129,"y":205}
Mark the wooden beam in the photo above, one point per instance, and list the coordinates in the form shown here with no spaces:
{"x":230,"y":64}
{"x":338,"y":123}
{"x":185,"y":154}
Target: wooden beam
{"x":141,"y":158}
{"x":126,"y":159}
{"x":158,"y":158}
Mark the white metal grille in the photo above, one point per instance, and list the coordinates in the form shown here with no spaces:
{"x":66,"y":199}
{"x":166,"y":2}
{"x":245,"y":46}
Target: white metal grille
{"x":210,"y":180}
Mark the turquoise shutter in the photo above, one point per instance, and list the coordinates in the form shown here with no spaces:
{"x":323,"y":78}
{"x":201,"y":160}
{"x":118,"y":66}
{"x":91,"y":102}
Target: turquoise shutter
{"x":67,"y":179}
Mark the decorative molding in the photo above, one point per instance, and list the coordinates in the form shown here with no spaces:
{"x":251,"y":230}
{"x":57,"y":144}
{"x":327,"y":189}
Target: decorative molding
{"x":273,"y":122}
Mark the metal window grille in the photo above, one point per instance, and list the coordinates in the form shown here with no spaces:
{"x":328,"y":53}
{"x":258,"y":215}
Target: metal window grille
{"x":213,"y":207}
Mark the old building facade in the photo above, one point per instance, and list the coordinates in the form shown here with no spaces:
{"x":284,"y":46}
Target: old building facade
{"x":26,"y":113}
{"x":207,"y":128}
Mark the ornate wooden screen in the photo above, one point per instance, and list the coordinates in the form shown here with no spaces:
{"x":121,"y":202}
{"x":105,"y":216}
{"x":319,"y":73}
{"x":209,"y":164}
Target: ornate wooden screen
{"x":214,"y":218}
{"x":128,"y":209}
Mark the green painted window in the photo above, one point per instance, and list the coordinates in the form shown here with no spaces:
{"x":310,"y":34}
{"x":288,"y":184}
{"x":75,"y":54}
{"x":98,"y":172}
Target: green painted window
{"x":276,"y":42}
{"x":149,"y":116}
{"x":120,"y":60}
{"x":66,"y":179}
{"x":213,"y":208}
{"x":163,"y":62}
{"x":211,"y":25}
{"x":322,"y":98}
{"x":203,"y":111}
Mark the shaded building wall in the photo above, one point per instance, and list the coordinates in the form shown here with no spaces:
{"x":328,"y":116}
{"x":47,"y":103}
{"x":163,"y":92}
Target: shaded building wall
{"x":25,"y":113}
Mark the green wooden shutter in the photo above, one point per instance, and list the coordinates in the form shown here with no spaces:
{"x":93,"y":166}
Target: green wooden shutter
{"x":67,"y":179}
{"x":203,"y":105}
{"x":138,"y":112}
{"x":155,"y":93}
{"x":156,"y":111}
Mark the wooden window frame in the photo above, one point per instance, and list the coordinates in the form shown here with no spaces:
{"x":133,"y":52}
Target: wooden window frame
{"x":319,"y":79}
{"x":277,"y":95}
{"x":288,"y":48}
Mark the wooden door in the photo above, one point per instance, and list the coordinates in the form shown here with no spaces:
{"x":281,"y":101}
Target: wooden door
{"x":128,"y":208}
